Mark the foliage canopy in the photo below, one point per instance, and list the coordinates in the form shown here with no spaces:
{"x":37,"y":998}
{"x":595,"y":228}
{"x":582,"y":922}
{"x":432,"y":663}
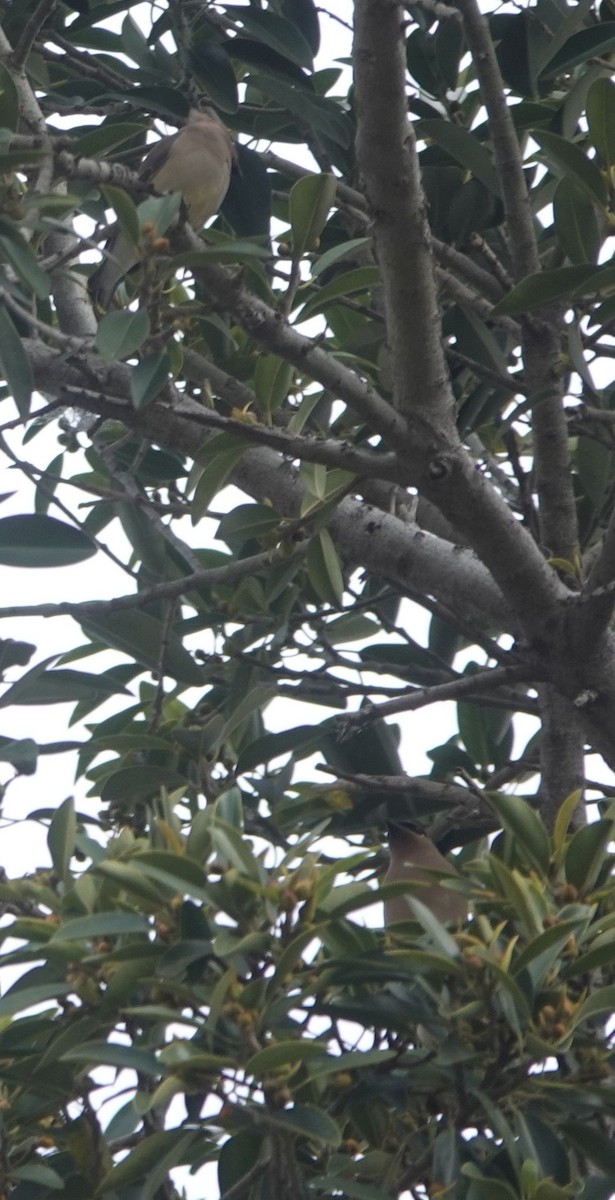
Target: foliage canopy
{"x":411,"y":388}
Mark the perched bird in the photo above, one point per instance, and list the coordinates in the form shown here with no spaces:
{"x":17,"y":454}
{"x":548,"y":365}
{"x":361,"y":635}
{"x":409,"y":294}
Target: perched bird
{"x":413,"y":857}
{"x":196,"y":161}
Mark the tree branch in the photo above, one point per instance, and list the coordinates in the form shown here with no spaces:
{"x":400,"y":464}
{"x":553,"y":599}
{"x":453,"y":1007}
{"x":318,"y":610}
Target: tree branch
{"x":169,"y":590}
{"x":388,"y":167}
{"x":30,"y":32}
{"x":466,"y":686}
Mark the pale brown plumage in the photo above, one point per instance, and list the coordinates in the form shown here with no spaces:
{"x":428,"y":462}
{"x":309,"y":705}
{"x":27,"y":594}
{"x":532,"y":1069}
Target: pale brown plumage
{"x":196,"y":161}
{"x":412,"y":857}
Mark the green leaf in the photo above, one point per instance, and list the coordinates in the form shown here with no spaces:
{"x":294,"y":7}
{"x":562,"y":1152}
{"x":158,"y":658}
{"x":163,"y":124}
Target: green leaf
{"x":465,"y":148}
{"x":587,"y":43}
{"x":307,"y":1121}
{"x":336,"y":253}
{"x":543,"y":951}
{"x":483,"y":732}
{"x":126,"y":209}
{"x":601,"y":119}
{"x":22,"y":753}
{"x":148,"y":378}
{"x":41,"y":541}
{"x":142,"y":637}
{"x":570,"y":161}
{"x":140,"y":783}
{"x":120,"y":334}
{"x":215,"y":474}
{"x":166,"y":1148}
{"x":61,"y":686}
{"x":17,"y":1000}
{"x":514,"y":887}
{"x":585,"y":854}
{"x":594,"y":463}
{"x":113,"y":1054}
{"x":272,"y":381}
{"x":591,"y":1142}
{"x":281,"y":1054}
{"x":303,"y":14}
{"x":237,"y":1157}
{"x":135,"y":43}
{"x":102,"y":924}
{"x":323,"y":115}
{"x":280,"y":35}
{"x":17,"y":252}
{"x":358,"y":280}
{"x":323,"y":567}
{"x":448,"y":44}
{"x":212,"y":66}
{"x":36,"y":1173}
{"x":15,"y":365}
{"x":106,"y":136}
{"x":526,"y":827}
{"x":161,"y":211}
{"x":576,"y":222}
{"x":545,"y":288}
{"x":601,"y":1001}
{"x":61,"y":837}
{"x":309,"y":203}
{"x":303,"y":741}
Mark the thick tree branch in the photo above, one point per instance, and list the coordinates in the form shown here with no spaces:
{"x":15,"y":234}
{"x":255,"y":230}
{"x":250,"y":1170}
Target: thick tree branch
{"x":366,"y":536}
{"x":507,"y":153}
{"x":561,"y":752}
{"x":541,"y":340}
{"x":269,"y":329}
{"x":388,"y":167}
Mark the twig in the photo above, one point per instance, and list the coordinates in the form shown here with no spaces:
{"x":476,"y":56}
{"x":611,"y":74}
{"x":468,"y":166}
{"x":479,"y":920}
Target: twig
{"x":30,"y":32}
{"x":206,"y":577}
{"x":50,"y":331}
{"x":466,"y":686}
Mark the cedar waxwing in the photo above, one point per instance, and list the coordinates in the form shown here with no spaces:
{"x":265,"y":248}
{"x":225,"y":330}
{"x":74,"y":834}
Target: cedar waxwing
{"x":413,"y":857}
{"x":196,"y":161}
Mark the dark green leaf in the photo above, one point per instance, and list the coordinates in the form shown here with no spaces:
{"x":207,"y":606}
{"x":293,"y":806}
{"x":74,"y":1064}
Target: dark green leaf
{"x":114,"y":1055}
{"x":309,"y":203}
{"x":120,"y":334}
{"x":42,"y":541}
{"x":106,"y":137}
{"x":546,"y":288}
{"x":167,"y":1146}
{"x":141,"y":637}
{"x":601,"y":119}
{"x":14,"y":364}
{"x":587,"y":43}
{"x":304,"y":15}
{"x":585,"y":854}
{"x":569,"y":160}
{"x":309,"y":1122}
{"x":148,"y":378}
{"x":465,"y":148}
{"x":61,"y":837}
{"x":17,"y":252}
{"x":526,"y":828}
{"x":576,"y":222}
{"x":212,"y":66}
{"x":281,"y":35}
{"x":126,"y":210}
{"x":324,"y":569}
